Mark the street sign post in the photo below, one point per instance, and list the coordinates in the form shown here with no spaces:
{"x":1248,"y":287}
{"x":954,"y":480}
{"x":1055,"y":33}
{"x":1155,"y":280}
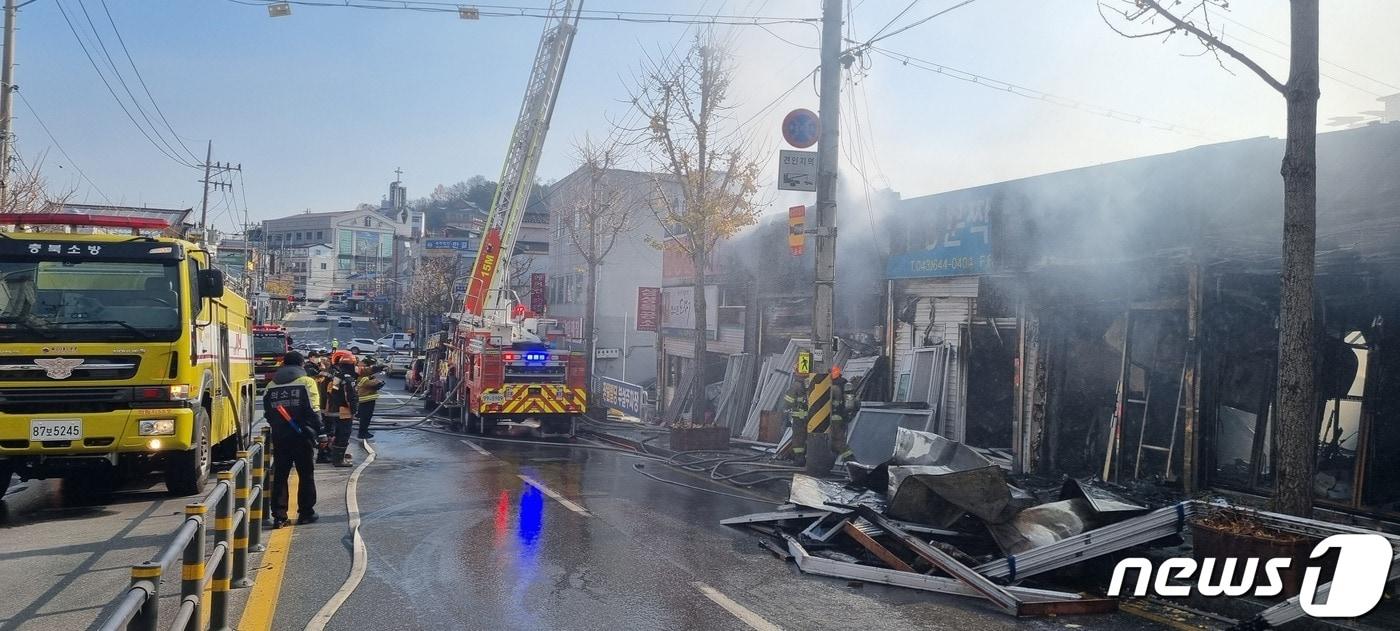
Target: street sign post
{"x":804,"y":363}
{"x":801,"y":128}
{"x":797,"y":170}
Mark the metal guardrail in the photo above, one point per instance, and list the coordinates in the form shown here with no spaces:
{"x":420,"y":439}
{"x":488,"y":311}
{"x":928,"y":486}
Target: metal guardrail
{"x":239,"y":503}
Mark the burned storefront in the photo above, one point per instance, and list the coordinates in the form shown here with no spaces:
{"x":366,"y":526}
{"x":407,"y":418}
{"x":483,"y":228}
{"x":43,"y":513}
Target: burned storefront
{"x":1121,"y":320}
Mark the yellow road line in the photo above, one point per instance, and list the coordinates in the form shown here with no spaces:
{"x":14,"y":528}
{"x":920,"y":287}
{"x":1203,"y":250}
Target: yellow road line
{"x":262,"y":601}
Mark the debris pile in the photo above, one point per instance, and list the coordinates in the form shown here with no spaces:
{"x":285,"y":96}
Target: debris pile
{"x":912,"y":519}
{"x":936,"y":515}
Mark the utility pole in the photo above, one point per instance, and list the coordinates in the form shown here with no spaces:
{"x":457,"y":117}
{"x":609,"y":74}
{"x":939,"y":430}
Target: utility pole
{"x":823,"y":329}
{"x":211,"y":169}
{"x":7,"y":87}
{"x":204,"y":208}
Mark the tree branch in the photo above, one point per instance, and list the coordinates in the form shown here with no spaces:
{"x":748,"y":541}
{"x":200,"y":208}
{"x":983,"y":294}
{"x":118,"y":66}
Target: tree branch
{"x":1211,"y":41}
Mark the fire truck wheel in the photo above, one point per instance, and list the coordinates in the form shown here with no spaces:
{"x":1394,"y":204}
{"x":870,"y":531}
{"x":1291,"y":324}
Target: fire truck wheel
{"x":186,"y":471}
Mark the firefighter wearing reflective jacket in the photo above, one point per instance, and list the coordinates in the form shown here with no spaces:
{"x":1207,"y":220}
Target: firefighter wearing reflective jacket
{"x":291,"y":405}
{"x":796,"y":403}
{"x":842,"y":408}
{"x":341,"y":404}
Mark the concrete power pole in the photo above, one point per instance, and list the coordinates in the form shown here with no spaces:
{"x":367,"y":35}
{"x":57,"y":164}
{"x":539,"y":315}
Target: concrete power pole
{"x":7,"y":86}
{"x":204,"y":207}
{"x":210,"y":169}
{"x":823,"y":330}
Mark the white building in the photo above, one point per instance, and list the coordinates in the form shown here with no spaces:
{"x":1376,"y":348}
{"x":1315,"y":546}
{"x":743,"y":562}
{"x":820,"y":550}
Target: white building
{"x":361,"y":244}
{"x":628,"y":354}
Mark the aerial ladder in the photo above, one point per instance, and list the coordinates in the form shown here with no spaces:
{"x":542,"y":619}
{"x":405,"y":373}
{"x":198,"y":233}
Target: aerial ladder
{"x":503,"y":371}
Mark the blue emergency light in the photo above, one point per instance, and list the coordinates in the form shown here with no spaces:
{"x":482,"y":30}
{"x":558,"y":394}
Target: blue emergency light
{"x":535,"y":356}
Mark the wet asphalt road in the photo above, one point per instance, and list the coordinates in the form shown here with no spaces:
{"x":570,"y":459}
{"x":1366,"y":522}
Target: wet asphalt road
{"x":64,"y":560}
{"x":458,"y":539}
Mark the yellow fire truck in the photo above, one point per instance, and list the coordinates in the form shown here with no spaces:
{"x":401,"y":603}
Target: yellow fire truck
{"x":120,"y":354}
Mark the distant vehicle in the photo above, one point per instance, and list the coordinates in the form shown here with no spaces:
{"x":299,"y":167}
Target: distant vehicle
{"x":361,"y":345}
{"x":396,"y":342}
{"x":321,"y":312}
{"x":270,"y":345}
{"x":398,"y":365}
{"x":344,"y":321}
{"x":323,"y":318}
{"x":414,"y":378}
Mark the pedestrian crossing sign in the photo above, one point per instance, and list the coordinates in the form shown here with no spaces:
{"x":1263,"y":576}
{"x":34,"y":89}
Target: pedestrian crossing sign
{"x":804,"y":363}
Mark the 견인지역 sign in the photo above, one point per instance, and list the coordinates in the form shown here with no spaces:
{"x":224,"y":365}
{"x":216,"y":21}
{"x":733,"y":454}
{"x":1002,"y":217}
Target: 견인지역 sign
{"x":797,"y":171}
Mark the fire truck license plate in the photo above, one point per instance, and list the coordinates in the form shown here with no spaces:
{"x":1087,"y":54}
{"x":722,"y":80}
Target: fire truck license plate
{"x":55,"y":430}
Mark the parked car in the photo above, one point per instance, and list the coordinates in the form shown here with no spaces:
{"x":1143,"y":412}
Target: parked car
{"x":398,"y":365}
{"x":361,"y":345}
{"x":396,"y":342}
{"x":413,"y":379}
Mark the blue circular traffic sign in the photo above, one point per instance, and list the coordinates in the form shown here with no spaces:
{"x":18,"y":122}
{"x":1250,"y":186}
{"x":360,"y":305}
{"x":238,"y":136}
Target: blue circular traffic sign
{"x":801,"y":128}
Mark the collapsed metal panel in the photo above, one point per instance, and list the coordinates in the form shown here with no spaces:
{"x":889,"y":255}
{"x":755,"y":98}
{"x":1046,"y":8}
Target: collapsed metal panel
{"x":854,"y":571}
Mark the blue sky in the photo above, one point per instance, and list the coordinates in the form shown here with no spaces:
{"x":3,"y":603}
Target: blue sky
{"x":321,"y":107}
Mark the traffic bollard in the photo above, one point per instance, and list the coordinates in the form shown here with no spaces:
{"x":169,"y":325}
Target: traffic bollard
{"x":241,"y":488}
{"x":149,"y":613}
{"x":268,"y":461}
{"x":223,"y":533}
{"x":192,"y":568}
{"x":255,"y":508}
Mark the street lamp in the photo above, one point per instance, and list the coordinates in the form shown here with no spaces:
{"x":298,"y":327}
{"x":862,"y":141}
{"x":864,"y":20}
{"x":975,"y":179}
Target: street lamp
{"x":279,"y":10}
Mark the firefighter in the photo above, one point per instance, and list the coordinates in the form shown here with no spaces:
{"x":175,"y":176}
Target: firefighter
{"x":841,"y":411}
{"x":368,"y":390}
{"x":796,"y":402}
{"x":291,"y":405}
{"x":340,"y":405}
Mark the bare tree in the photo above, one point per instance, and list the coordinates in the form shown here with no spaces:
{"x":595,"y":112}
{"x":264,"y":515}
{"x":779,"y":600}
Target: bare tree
{"x":593,"y":223}
{"x":520,"y":267}
{"x":29,"y":190}
{"x":1296,"y":396}
{"x":708,"y":194}
{"x":430,"y":291}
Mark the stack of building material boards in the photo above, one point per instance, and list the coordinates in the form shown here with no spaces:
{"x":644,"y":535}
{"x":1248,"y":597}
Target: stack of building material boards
{"x":774,"y":378}
{"x":735,"y":392}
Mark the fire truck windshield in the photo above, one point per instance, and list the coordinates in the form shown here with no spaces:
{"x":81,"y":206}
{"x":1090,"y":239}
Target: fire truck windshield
{"x":87,"y":300}
{"x":266,"y":344}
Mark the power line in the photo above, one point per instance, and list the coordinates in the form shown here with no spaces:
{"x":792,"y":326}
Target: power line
{"x":112,"y":90}
{"x":102,"y":45}
{"x":638,"y":17}
{"x":142,"y":80}
{"x":61,"y":150}
{"x":877,"y":37}
{"x":1266,"y":51}
{"x":1328,"y":62}
{"x":1031,"y":93}
{"x":894,"y":19}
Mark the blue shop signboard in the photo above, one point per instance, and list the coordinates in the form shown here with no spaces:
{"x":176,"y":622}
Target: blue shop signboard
{"x":956,"y":244}
{"x":619,"y":395}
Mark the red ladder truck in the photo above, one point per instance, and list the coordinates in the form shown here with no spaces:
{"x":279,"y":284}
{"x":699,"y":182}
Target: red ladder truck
{"x":504,"y":371}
